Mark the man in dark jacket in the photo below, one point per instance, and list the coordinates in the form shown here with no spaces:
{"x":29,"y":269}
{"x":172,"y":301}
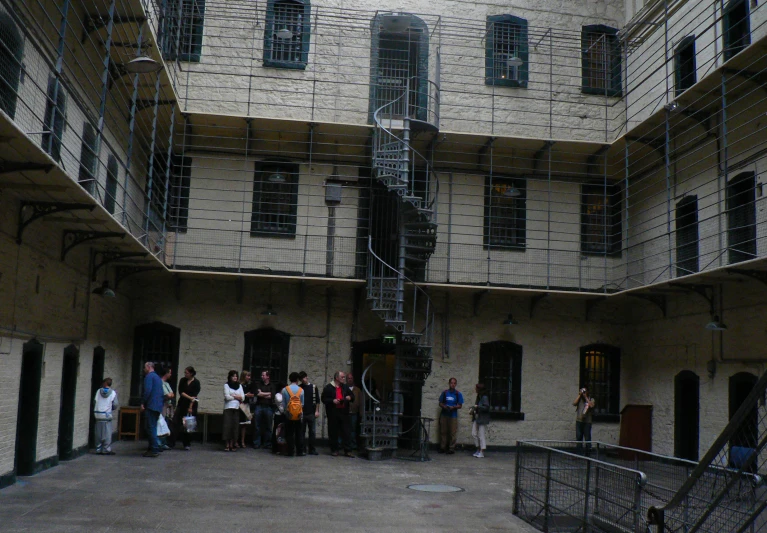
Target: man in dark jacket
{"x":311,"y":411}
{"x":336,"y":396}
{"x":151,"y":403}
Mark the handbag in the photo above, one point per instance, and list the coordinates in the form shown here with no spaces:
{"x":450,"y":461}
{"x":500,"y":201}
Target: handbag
{"x":162,"y":427}
{"x":190,"y":423}
{"x":246,"y":411}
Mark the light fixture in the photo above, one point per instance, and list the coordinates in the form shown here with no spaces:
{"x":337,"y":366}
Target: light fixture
{"x":277,"y":177}
{"x":514,"y":61}
{"x":512,"y":192}
{"x":716,"y":324}
{"x":671,"y":106}
{"x":104,"y":290}
{"x":142,"y":65}
{"x":269,"y":311}
{"x":284,"y":33}
{"x":510,"y":321}
{"x":396,"y":22}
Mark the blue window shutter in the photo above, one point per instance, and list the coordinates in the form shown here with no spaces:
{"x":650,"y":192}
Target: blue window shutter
{"x":268,"y":32}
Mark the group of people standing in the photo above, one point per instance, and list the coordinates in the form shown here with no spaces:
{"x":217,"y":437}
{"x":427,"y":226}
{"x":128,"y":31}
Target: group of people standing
{"x":450,"y":402}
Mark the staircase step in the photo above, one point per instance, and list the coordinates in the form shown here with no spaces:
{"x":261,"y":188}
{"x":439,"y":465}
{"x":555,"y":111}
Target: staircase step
{"x":421,"y":225}
{"x":419,"y":248}
{"x":415,"y":259}
{"x":399,"y":325}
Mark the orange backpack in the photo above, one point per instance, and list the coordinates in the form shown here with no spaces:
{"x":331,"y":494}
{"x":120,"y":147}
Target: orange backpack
{"x":295,"y":409}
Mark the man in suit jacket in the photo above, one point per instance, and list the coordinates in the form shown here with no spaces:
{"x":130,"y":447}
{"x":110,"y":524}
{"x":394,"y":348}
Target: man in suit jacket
{"x":336,"y":396}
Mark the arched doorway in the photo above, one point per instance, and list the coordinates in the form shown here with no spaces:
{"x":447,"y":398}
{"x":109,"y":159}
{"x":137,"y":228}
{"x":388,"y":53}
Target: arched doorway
{"x":29,"y":407}
{"x":686,"y":415}
{"x":747,"y":434}
{"x":97,"y":378}
{"x":67,"y":407}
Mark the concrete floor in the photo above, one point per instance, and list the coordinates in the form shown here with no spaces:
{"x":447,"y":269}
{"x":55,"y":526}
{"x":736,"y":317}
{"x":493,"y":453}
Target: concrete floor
{"x":254,"y":491}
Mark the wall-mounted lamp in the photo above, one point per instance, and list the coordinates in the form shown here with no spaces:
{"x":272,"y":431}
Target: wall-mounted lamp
{"x":510,"y":321}
{"x":716,"y":324}
{"x":671,"y":106}
{"x":104,"y":290}
{"x":514,"y":61}
{"x":512,"y":192}
{"x":277,"y":177}
{"x":284,"y":33}
{"x":142,"y":65}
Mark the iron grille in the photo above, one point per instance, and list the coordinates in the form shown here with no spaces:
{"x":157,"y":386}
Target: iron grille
{"x":110,"y":197}
{"x":506,"y":44}
{"x":11,"y":51}
{"x":397,"y":62}
{"x":87,"y":173}
{"x":506,"y":224}
{"x":500,"y":369}
{"x":288,"y":17}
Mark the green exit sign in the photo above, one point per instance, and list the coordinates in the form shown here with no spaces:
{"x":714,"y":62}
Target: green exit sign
{"x":389,"y":339}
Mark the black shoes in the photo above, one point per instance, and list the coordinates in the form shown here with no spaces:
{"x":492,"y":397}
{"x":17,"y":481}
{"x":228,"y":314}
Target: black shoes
{"x":151,"y":454}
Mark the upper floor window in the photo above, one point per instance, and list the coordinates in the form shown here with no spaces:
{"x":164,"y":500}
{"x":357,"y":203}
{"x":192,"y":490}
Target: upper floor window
{"x":506,"y":53}
{"x":601,"y":219}
{"x":687,"y":236}
{"x":741,"y":217}
{"x":685,"y":70}
{"x":601,"y":61}
{"x":54,"y":119}
{"x":182,"y":26}
{"x":736,"y":27}
{"x":500,"y":369}
{"x":275,"y":200}
{"x":287,"y":32}
{"x":505,"y":212}
{"x":88,"y":159}
{"x":11,"y":53}
{"x":601,"y":373}
{"x":156,"y":191}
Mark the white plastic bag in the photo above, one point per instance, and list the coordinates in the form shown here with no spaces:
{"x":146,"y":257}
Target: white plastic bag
{"x":190,"y":424}
{"x":162,"y":427}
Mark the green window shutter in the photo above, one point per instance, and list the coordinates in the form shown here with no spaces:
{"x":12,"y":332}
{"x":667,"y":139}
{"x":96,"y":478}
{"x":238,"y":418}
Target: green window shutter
{"x":306,"y":33}
{"x":593,"y":69}
{"x":192,"y":26}
{"x":290,"y":53}
{"x":489,"y":43}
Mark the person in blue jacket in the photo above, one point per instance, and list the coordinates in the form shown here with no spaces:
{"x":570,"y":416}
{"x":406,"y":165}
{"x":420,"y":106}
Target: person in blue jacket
{"x":151,"y":403}
{"x":450,"y":401}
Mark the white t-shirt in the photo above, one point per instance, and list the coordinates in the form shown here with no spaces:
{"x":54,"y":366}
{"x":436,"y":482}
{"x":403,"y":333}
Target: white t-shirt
{"x":229,"y":401}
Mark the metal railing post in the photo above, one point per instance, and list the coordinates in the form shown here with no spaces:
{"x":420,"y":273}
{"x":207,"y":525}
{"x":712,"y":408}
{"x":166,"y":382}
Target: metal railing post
{"x":586,"y":498}
{"x":515,"y":505}
{"x":546,"y":505}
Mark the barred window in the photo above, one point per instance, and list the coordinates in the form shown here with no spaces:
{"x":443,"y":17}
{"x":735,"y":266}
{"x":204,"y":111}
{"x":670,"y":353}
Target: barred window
{"x":736,"y":27}
{"x":180,"y":182}
{"x":110,"y":196}
{"x":505,"y":212}
{"x":741,"y":217}
{"x":181,"y":29}
{"x":155,"y":188}
{"x":275,"y":200}
{"x":88,"y":160}
{"x":506,"y":52}
{"x":600,"y":372}
{"x":685,"y":70}
{"x":267,"y":349}
{"x":11,"y":52}
{"x":287,"y":32}
{"x":500,"y":369}
{"x":601,"y":219}
{"x":601,"y":60}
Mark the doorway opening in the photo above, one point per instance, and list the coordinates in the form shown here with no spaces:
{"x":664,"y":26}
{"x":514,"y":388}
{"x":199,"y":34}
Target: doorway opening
{"x":686,"y":415}
{"x":97,"y":378}
{"x":746,"y":437}
{"x":29,"y":408}
{"x":156,"y":342}
{"x":67,"y":407}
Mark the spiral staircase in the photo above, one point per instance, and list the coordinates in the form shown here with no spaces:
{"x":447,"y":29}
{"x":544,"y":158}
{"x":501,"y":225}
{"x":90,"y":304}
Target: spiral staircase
{"x":404,"y":307}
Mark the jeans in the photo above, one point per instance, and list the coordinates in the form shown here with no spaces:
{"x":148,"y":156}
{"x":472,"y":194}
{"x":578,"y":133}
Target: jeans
{"x":264,"y":417}
{"x":310,"y":422}
{"x":151,"y":430}
{"x":583,"y":432}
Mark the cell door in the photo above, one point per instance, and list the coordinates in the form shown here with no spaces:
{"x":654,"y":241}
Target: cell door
{"x":158,"y":343}
{"x":686,"y":415}
{"x":397,"y":66}
{"x":29,"y":408}
{"x":97,"y":378}
{"x":67,"y":406}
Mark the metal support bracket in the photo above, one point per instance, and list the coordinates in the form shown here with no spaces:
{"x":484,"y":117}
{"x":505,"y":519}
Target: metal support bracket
{"x":535,"y":300}
{"x":41,"y":209}
{"x":539,"y":153}
{"x":657,"y":144}
{"x":659,"y":300}
{"x":96,"y":22}
{"x":9,"y":167}
{"x":704,"y":291}
{"x":144,"y":103}
{"x":484,"y":149}
{"x":477,"y":297}
{"x":72,"y":238}
{"x":111,"y":257}
{"x":758,"y":78}
{"x":239,"y":289}
{"x":302,"y":294}
{"x":591,"y":162}
{"x":122,"y":272}
{"x":758,"y":275}
{"x":592,"y":303}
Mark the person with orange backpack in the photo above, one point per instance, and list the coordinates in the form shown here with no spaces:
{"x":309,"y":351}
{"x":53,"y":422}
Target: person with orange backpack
{"x":293,"y":402}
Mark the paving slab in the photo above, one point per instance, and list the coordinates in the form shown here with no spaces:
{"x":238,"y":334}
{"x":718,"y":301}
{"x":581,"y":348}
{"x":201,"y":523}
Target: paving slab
{"x":206,"y":489}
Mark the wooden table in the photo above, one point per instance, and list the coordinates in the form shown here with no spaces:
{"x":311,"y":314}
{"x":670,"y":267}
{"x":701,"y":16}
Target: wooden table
{"x":134,"y":412}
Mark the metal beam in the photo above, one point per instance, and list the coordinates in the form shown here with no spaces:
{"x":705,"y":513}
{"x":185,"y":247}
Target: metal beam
{"x":658,"y":300}
{"x":591,"y":162}
{"x":477,"y":298}
{"x":72,"y":238}
{"x":657,"y":144}
{"x":539,"y":153}
{"x":484,"y":149}
{"x":759,"y":78}
{"x":111,"y":257}
{"x":41,"y":209}
{"x":9,"y":167}
{"x":704,"y":291}
{"x":145,"y":103}
{"x":758,"y":275}
{"x":535,"y":300}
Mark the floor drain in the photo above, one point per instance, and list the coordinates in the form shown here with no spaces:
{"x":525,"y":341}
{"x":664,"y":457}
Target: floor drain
{"x":436,"y":488}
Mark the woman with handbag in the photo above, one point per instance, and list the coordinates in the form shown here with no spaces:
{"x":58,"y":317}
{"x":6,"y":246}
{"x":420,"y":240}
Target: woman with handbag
{"x":188,"y":390}
{"x":167,"y":409}
{"x":480,"y":414}
{"x":233,"y":397}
